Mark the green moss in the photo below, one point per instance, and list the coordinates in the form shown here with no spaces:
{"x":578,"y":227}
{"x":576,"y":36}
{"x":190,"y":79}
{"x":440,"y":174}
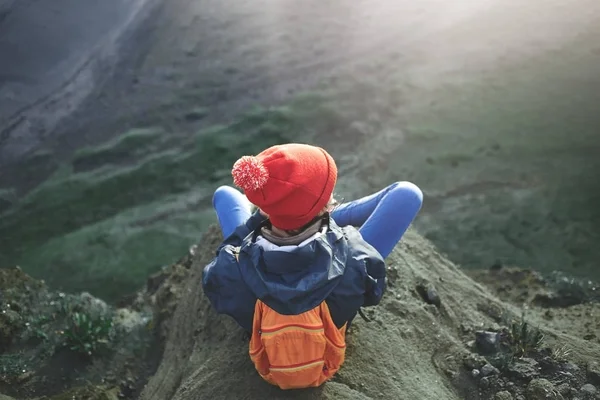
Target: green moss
{"x":122,"y":148}
{"x":105,"y":230}
{"x":524,"y":194}
{"x":113,"y":257}
{"x":88,"y":334}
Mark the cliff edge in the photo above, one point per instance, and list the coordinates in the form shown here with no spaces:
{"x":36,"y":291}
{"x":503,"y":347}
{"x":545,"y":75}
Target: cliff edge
{"x":415,"y":346}
{"x":438,"y":334}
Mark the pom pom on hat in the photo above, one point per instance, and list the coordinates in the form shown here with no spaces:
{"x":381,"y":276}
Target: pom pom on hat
{"x":249,"y":173}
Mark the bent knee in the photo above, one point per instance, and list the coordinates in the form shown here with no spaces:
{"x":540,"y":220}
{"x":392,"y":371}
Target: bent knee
{"x":223,"y":192}
{"x":409,"y":191}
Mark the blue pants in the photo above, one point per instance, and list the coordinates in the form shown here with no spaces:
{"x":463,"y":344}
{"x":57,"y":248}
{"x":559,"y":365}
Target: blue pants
{"x":381,"y":218}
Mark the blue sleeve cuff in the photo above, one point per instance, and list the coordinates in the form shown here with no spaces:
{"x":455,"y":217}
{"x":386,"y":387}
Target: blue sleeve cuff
{"x":236,"y":238}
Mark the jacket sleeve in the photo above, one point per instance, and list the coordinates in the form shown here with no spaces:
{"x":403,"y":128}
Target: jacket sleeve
{"x":240,"y":233}
{"x":223,"y":285}
{"x":376,"y":284}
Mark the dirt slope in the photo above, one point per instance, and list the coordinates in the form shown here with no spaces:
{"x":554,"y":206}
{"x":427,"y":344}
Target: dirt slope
{"x":166,"y":342}
{"x":409,"y":350}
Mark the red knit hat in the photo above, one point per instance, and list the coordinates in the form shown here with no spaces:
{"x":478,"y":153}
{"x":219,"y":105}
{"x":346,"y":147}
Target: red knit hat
{"x":292,"y":183}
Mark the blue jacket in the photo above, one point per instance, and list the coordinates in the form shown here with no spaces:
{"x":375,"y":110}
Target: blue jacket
{"x":339,"y":267}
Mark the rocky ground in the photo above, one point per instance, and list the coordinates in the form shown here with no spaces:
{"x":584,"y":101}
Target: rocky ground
{"x":450,"y":337}
{"x":53,"y":342}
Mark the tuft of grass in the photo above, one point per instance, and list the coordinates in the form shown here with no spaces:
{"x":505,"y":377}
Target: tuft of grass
{"x":87,"y":334}
{"x":561,"y":353}
{"x":523,"y":339}
{"x":517,"y":340}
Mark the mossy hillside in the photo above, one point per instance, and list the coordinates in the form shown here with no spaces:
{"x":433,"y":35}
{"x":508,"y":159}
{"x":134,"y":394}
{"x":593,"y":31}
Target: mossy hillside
{"x":104,"y":230}
{"x":507,"y":162}
{"x":112,"y":257}
{"x":509,"y":165}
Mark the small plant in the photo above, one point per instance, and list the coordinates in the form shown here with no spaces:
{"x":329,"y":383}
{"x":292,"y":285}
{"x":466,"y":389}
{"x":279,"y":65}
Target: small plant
{"x":517,"y":340}
{"x":36,"y":334}
{"x":86,"y":334}
{"x":37,"y":329}
{"x":522,"y":339}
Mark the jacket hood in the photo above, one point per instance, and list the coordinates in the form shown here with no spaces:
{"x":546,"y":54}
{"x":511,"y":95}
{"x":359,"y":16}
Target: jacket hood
{"x":294,"y":279}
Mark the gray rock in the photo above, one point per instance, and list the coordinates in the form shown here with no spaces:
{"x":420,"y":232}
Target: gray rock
{"x":588,"y":392}
{"x":593,"y":372}
{"x":128,"y":320}
{"x":465,"y":328}
{"x":570,"y":367}
{"x":474,"y":361}
{"x":487,"y":342}
{"x":542,"y":389}
{"x":525,"y":369}
{"x":94,"y":305}
{"x":489,"y":369}
{"x":566,"y":374}
{"x":504,"y":395}
{"x":475,"y":373}
{"x":484,"y":383}
{"x":565,"y":389}
{"x":429,"y":294}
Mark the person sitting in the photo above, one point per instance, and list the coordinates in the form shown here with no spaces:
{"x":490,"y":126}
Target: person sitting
{"x":295,"y":272}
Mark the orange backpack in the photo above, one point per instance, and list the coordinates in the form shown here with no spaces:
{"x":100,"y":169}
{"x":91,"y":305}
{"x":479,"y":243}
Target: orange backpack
{"x":296,"y":351}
